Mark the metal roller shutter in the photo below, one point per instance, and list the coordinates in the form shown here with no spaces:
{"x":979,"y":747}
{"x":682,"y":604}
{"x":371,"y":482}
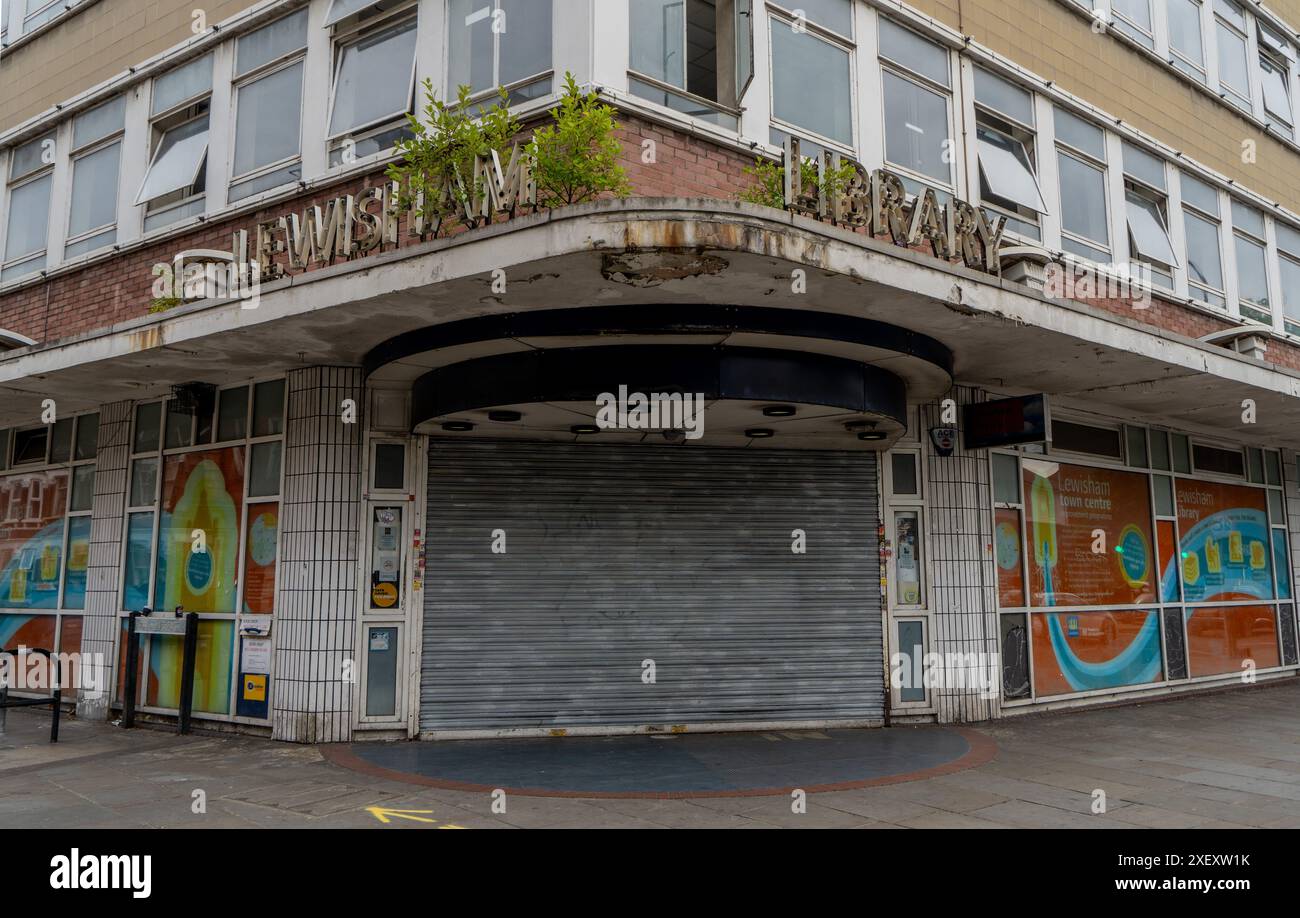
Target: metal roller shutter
{"x":619,"y":554}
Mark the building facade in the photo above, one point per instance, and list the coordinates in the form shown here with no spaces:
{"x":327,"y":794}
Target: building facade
{"x":404,"y":475}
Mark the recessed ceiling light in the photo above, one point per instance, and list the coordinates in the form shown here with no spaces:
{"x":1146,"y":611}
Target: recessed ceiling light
{"x":779,"y":411}
{"x":458,"y":426}
{"x":760,"y":433}
{"x":504,"y":417}
{"x":873,"y":435}
{"x":584,"y":429}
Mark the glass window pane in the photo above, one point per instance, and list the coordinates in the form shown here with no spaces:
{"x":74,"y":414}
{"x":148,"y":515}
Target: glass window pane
{"x":264,"y":474}
{"x":30,"y":446}
{"x":1143,"y":166}
{"x":1146,"y":227}
{"x":1182,"y":455}
{"x":1006,"y":479}
{"x":836,"y":15}
{"x":4,"y":449}
{"x":1199,"y":194}
{"x":99,"y":122}
{"x":31,"y":539}
{"x":1275,"y":512}
{"x":61,"y":441}
{"x":341,"y":9}
{"x":176,"y":165}
{"x":270,"y":42}
{"x":29,"y":214}
{"x":1288,"y":238}
{"x":260,"y":553}
{"x":471,"y":45}
{"x":1007,"y":98}
{"x":905,"y":481}
{"x":1272,"y":467}
{"x":139,"y":561}
{"x":1232,"y":60}
{"x":390,"y":467}
{"x":1136,"y":438}
{"x":907,"y":567}
{"x":1204,"y":265}
{"x":1252,"y":279}
{"x":1084,"y":188}
{"x":1255,"y":464}
{"x":916,"y":128}
{"x":911,"y":649}
{"x":1277,"y":99}
{"x":526,"y":39}
{"x":185,"y":82}
{"x":1164,"y":495}
{"x":180,"y":430}
{"x":1006,"y":170}
{"x":232,"y":415}
{"x":381,"y":672}
{"x":1185,"y":29}
{"x":94,"y":190}
{"x":83,"y":488}
{"x":658,"y":33}
{"x":148,"y":418}
{"x":905,"y":47}
{"x":374,"y":76}
{"x":74,"y":581}
{"x":204,"y":490}
{"x":1160,"y":450}
{"x":1282,"y":564}
{"x":1080,"y":134}
{"x":268,"y":408}
{"x":144,"y":482}
{"x":801,"y":60}
{"x":267,"y":119}
{"x":1247,"y":218}
{"x":32,"y":157}
{"x":87,"y":437}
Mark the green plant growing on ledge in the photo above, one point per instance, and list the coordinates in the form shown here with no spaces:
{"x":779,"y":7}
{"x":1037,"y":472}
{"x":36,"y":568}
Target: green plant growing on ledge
{"x":768,"y":188}
{"x":163,"y":303}
{"x":436,"y":169}
{"x":576,"y":157}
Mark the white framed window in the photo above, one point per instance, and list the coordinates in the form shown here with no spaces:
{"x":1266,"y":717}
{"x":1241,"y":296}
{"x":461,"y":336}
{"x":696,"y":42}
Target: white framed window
{"x":1251,"y":250}
{"x":96,"y":161}
{"x":268,"y":106}
{"x":174,"y":184}
{"x":503,"y":43}
{"x":916,"y":77}
{"x":813,"y":50}
{"x":373,"y":88}
{"x":31,"y":177}
{"x":1276,"y":60}
{"x":1081,"y":172}
{"x":1133,"y":18}
{"x":1202,"y":232}
{"x":1146,"y":215}
{"x":1233,"y":53}
{"x":706,"y":83}
{"x":1186,"y":42}
{"x":1288,"y":256}
{"x":1005,"y":138}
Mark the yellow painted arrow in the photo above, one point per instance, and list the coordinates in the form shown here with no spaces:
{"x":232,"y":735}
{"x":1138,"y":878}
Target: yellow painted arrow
{"x":383,"y":814}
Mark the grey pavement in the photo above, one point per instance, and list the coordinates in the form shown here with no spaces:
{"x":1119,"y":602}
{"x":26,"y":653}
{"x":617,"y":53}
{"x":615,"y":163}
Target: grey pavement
{"x":1227,"y":759}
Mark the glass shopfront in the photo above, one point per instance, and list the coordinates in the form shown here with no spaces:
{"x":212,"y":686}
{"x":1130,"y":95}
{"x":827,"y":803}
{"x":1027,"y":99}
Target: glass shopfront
{"x":1156,"y":572}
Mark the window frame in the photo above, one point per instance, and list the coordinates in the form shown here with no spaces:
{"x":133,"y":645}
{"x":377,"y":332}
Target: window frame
{"x":1064,"y":148}
{"x":777,"y":15}
{"x":887,"y":65}
{"x":523,"y":82}
{"x":43,"y":172}
{"x":350,"y":31}
{"x":116,"y":137}
{"x":241,"y":81}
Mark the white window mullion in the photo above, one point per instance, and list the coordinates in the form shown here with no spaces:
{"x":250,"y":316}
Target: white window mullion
{"x":133,"y":163}
{"x":221,"y":128}
{"x":571,"y":42}
{"x":1229,"y":245}
{"x":1274,"y":271}
{"x":871,"y":106}
{"x":1048,"y":174}
{"x":1210,"y":41}
{"x":1117,"y":208}
{"x":430,"y":50}
{"x":4,"y":197}
{"x":1177,"y":229}
{"x":1252,"y":67}
{"x":612,"y":53}
{"x":60,"y":195}
{"x":318,"y":77}
{"x":1160,"y":28}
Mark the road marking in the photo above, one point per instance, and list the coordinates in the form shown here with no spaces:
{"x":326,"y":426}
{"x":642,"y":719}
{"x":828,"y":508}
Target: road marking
{"x":383,"y":814}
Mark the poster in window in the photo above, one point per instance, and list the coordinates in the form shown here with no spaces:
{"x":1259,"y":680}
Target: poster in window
{"x":260,"y":553}
{"x":1088,"y":532}
{"x":909,"y":558}
{"x":1006,"y":553}
{"x":1222,"y":638}
{"x":31,"y":539}
{"x":1086,"y":651}
{"x":198,"y":535}
{"x":1225,"y":547}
